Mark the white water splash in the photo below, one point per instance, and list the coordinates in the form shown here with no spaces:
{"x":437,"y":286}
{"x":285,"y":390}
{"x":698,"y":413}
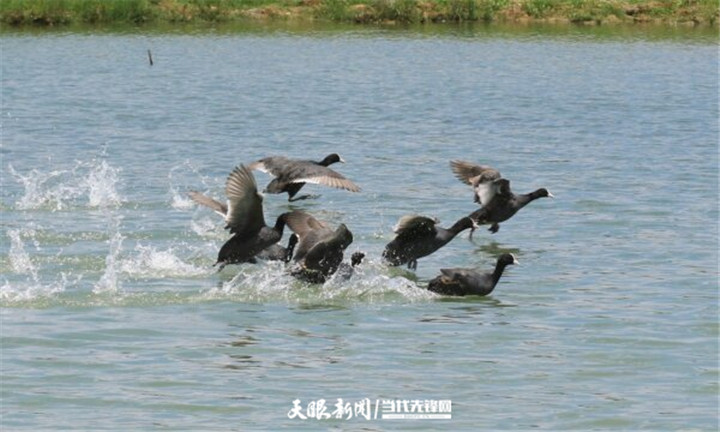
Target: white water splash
{"x":101,"y":184}
{"x":206,"y":227}
{"x":59,"y":189}
{"x":110,"y":282}
{"x":180,"y":186}
{"x":370,"y":282}
{"x":256,"y":282}
{"x":31,"y":287}
{"x":270,"y":281}
{"x":45,"y":189}
{"x":150,"y":262}
{"x":180,"y":202}
{"x":19,"y":258}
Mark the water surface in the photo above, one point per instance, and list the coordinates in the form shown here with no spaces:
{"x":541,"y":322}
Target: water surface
{"x":114,"y":319}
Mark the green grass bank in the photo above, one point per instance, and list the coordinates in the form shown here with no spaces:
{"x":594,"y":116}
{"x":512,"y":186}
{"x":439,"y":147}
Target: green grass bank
{"x":594,"y":12}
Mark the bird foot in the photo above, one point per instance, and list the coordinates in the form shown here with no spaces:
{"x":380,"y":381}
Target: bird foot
{"x":303,"y":197}
{"x":494,"y":228}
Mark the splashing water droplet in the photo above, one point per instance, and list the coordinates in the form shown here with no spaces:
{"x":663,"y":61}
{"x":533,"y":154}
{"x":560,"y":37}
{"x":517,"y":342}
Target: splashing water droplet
{"x":206,"y":227}
{"x":62,"y":188}
{"x":100,"y":183}
{"x":110,"y":282}
{"x":45,"y":189}
{"x":19,"y":258}
{"x":31,"y":287}
{"x":150,"y":262}
{"x":180,"y":202}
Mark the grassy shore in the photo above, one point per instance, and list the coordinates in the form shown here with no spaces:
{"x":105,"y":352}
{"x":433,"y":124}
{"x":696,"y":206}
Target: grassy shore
{"x":65,"y":12}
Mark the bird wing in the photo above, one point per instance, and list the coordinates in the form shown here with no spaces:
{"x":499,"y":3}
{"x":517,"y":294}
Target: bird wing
{"x":480,"y":177}
{"x":415,"y":226}
{"x":213,"y":204}
{"x":456,"y":274}
{"x":274,"y":165}
{"x":310,"y":172}
{"x":309,"y":230}
{"x":327,"y":253}
{"x":301,"y":223}
{"x":466,"y":172}
{"x":245,"y":213}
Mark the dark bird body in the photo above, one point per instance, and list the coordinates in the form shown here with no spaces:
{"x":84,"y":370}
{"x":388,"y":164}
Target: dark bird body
{"x":345,"y":270}
{"x":493,"y":193}
{"x":503,"y":207}
{"x":277,"y":252}
{"x":244,"y":218}
{"x":419,"y":236}
{"x":462,"y":281}
{"x":292,"y":174}
{"x":274,"y":252}
{"x":320,"y":249}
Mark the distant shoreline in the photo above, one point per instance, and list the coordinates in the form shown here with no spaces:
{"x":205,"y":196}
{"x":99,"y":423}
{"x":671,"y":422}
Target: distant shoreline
{"x":41,"y":13}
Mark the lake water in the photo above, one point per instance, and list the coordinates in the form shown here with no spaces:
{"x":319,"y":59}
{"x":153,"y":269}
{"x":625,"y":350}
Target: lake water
{"x":113,"y":317}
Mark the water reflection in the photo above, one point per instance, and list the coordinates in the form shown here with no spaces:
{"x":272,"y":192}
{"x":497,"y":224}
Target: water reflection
{"x":243,"y":362}
{"x":243,"y":341}
{"x":318,"y":307}
{"x":475,"y":309}
{"x":293,"y":348}
{"x":496,"y":249}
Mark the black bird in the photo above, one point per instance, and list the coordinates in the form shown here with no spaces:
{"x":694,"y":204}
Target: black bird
{"x":278,"y":252}
{"x":274,"y":252}
{"x":462,"y":282}
{"x":345,"y":270}
{"x":320,"y":249}
{"x":493,"y":193}
{"x":503,"y":207}
{"x":419,"y":236}
{"x":292,"y":174}
{"x":244,"y":218}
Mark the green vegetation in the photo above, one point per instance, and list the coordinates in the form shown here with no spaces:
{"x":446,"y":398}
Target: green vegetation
{"x":62,"y":12}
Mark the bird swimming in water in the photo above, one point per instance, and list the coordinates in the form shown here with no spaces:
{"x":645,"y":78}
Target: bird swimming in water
{"x":244,"y":218}
{"x":419,"y":236}
{"x":493,"y":193}
{"x":320,"y":248}
{"x":292,"y":174}
{"x":462,"y":281}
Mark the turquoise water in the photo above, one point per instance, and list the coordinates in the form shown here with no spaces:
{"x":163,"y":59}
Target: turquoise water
{"x":114,"y":319}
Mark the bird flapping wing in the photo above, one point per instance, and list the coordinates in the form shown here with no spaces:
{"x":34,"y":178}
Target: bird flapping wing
{"x":309,"y":230}
{"x":466,"y":172}
{"x":245,"y":212}
{"x":482,"y":178}
{"x":302,"y":223}
{"x":318,"y":174}
{"x":415,"y":226}
{"x":213,"y":204}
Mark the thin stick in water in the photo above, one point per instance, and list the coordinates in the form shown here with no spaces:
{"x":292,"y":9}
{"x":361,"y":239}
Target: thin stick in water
{"x":150,"y":57}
